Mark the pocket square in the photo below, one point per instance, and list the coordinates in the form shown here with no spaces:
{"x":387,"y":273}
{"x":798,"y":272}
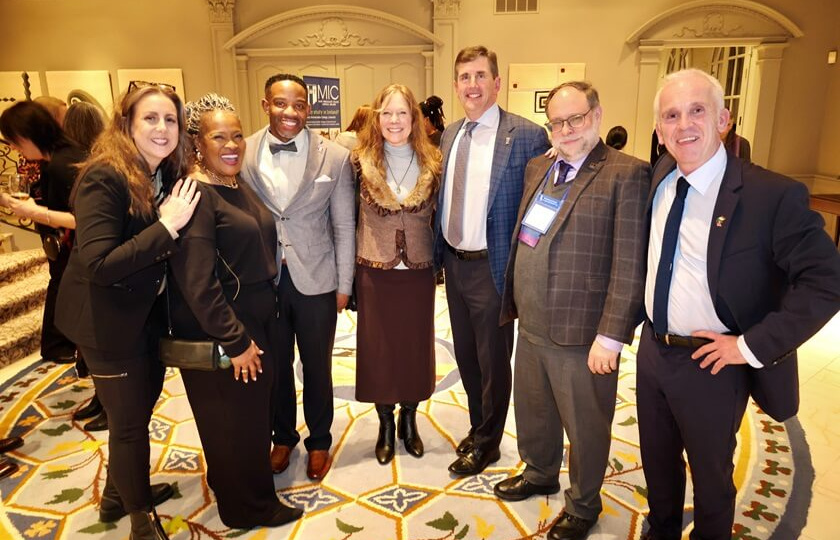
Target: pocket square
{"x":323,"y":178}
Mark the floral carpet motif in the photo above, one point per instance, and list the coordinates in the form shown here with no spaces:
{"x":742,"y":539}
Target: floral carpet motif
{"x":62,"y":468}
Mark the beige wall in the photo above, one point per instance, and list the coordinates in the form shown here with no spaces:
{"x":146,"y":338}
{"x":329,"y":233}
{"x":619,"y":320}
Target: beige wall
{"x":46,"y":35}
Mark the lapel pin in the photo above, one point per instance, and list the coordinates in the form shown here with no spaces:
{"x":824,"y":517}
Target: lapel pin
{"x":507,"y":140}
{"x":719,"y":221}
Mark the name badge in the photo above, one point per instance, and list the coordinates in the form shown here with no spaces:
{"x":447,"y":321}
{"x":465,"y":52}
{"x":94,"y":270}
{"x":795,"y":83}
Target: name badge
{"x":538,"y":219}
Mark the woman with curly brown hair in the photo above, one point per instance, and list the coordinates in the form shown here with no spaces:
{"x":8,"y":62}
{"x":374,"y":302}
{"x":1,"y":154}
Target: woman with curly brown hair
{"x":398,"y":172}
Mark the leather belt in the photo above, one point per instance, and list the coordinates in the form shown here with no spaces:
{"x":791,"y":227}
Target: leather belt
{"x":673,"y":340}
{"x":465,"y":255}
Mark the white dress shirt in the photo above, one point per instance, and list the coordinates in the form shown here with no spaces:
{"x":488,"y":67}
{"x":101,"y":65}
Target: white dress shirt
{"x":477,"y":190}
{"x":690,"y":305}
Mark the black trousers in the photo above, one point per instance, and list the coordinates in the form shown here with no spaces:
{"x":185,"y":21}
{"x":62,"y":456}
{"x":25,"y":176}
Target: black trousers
{"x":54,"y":344}
{"x":234,"y":419}
{"x":683,"y":407}
{"x":128,"y":386}
{"x":482,"y":348}
{"x":310,"y":321}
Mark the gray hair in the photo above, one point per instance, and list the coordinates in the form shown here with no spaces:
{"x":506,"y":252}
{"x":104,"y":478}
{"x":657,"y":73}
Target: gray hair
{"x":714,"y":85}
{"x":205,"y":104}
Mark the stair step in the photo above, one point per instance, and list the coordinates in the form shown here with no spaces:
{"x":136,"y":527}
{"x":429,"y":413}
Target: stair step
{"x":24,"y":294}
{"x":20,"y":263}
{"x":20,"y":336}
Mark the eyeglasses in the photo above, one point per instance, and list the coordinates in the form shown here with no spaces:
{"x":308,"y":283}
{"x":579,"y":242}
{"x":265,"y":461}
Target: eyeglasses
{"x":136,"y":85}
{"x":574,"y":122}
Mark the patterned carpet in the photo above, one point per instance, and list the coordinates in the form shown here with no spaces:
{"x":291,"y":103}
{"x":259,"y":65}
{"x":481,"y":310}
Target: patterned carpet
{"x":56,"y":492}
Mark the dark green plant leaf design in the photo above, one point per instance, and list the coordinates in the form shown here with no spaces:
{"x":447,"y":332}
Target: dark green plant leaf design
{"x":55,"y":475}
{"x":98,"y":528}
{"x":445,"y":523}
{"x":64,"y":405}
{"x":346,"y":528}
{"x":629,"y":422}
{"x":642,"y":491}
{"x":67,"y":496}
{"x":55,"y":432}
{"x":237,"y":533}
{"x":462,"y":533}
{"x":617,"y":465}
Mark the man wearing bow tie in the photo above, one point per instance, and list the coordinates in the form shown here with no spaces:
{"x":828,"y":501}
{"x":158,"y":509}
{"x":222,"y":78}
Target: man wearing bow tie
{"x":575,"y":279}
{"x":740,"y":273}
{"x":307,"y":183}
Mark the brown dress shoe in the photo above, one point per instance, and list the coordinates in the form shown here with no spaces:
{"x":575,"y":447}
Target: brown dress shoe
{"x":280,"y":455}
{"x":319,"y":464}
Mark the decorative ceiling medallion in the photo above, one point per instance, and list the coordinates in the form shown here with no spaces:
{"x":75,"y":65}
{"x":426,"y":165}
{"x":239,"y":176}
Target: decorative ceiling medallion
{"x":713,"y":26}
{"x":332,"y":33}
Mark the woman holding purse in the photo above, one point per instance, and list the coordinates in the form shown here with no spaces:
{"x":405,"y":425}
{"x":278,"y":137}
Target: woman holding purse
{"x":225,"y":273}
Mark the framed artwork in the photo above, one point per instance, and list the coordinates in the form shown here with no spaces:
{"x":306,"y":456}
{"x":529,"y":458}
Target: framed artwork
{"x":90,"y":86}
{"x":540,"y":99}
{"x":18,"y":86}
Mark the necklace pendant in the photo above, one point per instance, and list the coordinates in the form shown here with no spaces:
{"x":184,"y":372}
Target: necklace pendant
{"x":398,"y":190}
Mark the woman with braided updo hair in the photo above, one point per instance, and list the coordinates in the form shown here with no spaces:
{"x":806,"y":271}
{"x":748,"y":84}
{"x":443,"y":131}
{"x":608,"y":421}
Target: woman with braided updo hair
{"x":223,"y":290}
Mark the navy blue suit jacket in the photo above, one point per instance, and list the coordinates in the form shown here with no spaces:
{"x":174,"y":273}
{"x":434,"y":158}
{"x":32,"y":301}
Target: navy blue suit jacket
{"x":517,"y":141}
{"x":774,"y":273}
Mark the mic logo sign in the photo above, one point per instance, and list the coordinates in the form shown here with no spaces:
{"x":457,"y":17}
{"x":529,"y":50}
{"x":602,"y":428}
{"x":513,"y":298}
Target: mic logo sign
{"x":325,"y":92}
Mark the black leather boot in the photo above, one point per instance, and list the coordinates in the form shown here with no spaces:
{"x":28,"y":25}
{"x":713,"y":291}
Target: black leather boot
{"x":146,"y":526}
{"x":407,"y":429}
{"x":111,"y":505}
{"x":100,"y":423}
{"x":90,"y":410}
{"x":385,"y":442}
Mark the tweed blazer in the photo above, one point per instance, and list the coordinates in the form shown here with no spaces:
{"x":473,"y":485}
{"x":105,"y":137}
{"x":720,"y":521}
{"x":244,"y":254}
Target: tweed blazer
{"x":517,"y":141}
{"x":598,"y":253}
{"x":390,"y":232}
{"x":317,"y":227}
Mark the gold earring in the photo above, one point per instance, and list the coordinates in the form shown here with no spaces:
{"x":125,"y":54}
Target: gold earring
{"x":198,"y":156}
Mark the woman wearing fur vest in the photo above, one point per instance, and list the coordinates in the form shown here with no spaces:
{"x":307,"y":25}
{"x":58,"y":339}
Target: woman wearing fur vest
{"x":398,"y":174}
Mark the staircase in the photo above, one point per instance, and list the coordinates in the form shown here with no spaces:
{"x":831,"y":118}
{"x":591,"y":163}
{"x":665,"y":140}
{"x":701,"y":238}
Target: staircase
{"x":23,"y":285}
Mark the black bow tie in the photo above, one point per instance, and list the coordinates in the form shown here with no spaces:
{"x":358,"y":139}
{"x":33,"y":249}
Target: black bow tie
{"x":286,"y":147}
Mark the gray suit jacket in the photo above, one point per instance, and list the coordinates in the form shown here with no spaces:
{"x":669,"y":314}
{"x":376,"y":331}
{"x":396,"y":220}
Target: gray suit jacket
{"x":317,"y":228}
{"x":597,"y":259}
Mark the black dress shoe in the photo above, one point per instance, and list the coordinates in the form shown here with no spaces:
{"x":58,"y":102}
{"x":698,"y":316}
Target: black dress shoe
{"x":474,"y":462}
{"x":61,"y":359}
{"x":100,"y":423}
{"x":93,"y":408}
{"x":519,"y":489}
{"x":569,"y":527}
{"x":284,"y":514}
{"x":7,"y":468}
{"x":647,"y":536}
{"x":466,"y":445}
{"x":10,"y":443}
{"x":111,"y":507}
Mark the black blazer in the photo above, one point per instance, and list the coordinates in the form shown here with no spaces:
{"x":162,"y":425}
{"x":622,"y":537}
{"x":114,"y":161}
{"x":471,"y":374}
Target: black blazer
{"x":115,"y":268}
{"x":774,"y":274}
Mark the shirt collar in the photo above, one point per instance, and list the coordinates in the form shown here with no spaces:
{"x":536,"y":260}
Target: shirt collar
{"x":706,"y":174}
{"x":490,"y":118}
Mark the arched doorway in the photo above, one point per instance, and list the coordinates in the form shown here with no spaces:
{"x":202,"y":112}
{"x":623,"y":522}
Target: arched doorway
{"x":763,"y":31}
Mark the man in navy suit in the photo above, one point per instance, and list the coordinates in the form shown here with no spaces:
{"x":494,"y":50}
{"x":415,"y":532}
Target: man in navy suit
{"x":740,"y":273}
{"x":484,"y":158}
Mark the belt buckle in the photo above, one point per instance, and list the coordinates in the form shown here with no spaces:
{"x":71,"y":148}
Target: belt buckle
{"x":668,"y":339}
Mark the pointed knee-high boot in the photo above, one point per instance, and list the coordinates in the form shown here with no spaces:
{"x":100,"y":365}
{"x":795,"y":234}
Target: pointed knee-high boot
{"x":407,"y":429}
{"x":385,"y":442}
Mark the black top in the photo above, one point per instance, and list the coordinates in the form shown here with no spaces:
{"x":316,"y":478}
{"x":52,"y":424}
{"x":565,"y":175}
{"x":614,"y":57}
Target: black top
{"x":57,"y":178}
{"x":235,"y":223}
